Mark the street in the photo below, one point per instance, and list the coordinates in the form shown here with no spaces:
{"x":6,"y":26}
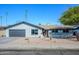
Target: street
{"x":39,"y":52}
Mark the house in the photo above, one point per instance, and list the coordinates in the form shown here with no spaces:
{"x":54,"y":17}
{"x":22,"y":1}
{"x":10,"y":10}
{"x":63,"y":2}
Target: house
{"x":23,"y":29}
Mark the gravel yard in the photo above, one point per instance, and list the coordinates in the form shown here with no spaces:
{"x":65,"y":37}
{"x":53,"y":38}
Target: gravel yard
{"x":38,"y":43}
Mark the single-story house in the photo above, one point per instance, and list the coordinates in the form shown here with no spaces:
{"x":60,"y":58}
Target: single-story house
{"x":25,"y":29}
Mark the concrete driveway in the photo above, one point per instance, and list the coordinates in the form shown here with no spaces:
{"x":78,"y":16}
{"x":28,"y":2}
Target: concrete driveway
{"x":4,"y":40}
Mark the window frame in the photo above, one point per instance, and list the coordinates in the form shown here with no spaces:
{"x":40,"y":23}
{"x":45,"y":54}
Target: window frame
{"x":34,"y":31}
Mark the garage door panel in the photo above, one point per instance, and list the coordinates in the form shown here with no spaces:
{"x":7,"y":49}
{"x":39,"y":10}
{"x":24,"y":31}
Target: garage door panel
{"x":17,"y":33}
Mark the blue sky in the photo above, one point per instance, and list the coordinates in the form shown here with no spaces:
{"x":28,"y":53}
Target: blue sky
{"x":36,"y":13}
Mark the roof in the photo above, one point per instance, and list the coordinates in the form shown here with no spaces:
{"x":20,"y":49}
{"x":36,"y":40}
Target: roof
{"x":46,"y":27}
{"x":50,"y":27}
{"x":2,"y":28}
{"x":23,"y":23}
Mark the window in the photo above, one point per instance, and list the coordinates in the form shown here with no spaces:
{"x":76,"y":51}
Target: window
{"x":65,"y":31}
{"x":55,"y":30}
{"x":34,"y":31}
{"x":52,"y":30}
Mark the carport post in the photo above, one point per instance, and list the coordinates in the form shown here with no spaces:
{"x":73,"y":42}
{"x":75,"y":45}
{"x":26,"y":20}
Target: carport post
{"x":50,"y":35}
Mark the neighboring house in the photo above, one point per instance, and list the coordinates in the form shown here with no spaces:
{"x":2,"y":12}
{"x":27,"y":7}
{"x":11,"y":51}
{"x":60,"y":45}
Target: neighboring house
{"x":76,"y":28}
{"x":2,"y":31}
{"x":23,"y":29}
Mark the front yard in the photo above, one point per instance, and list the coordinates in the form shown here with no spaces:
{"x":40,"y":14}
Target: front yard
{"x":38,"y":43}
